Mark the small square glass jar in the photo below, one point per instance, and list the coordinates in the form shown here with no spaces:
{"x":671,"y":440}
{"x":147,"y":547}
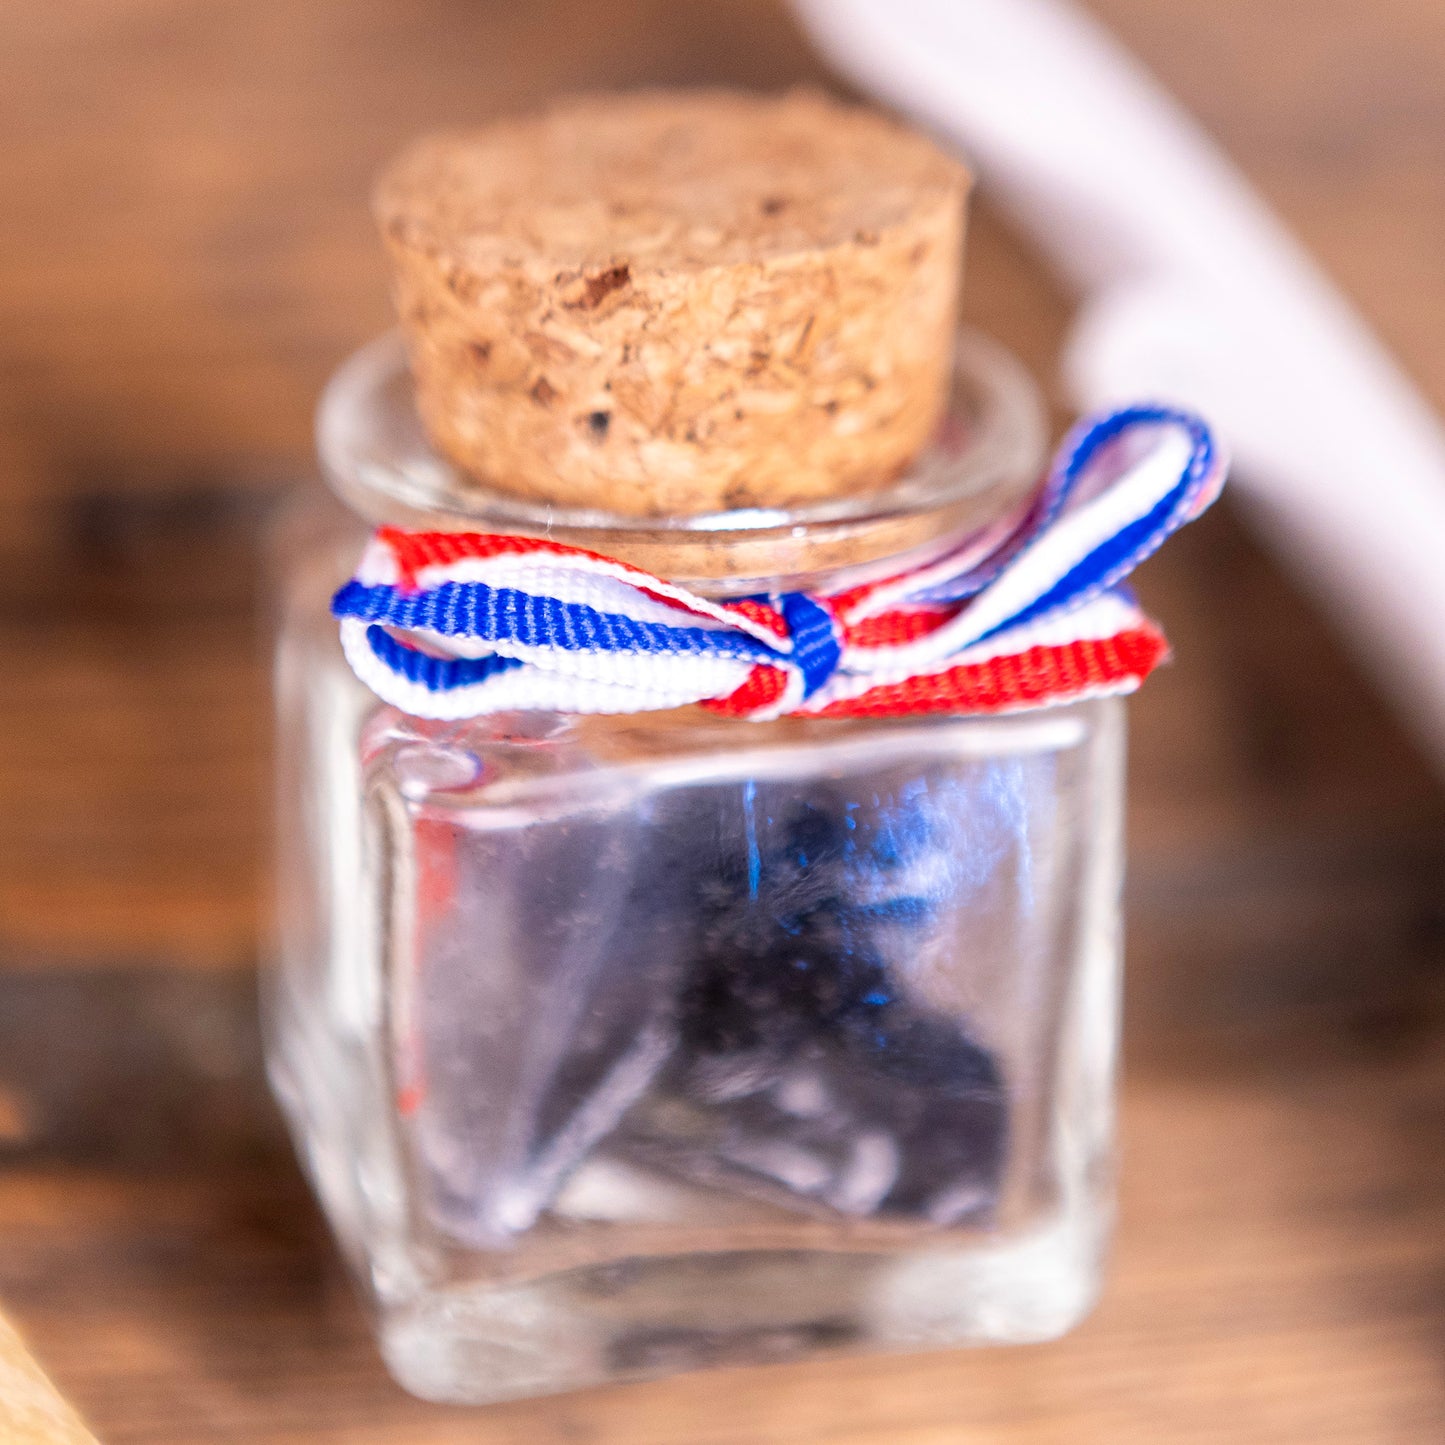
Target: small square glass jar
{"x":617,"y":1046}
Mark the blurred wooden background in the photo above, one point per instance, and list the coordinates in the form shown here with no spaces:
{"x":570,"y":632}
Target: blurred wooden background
{"x":184,"y":255}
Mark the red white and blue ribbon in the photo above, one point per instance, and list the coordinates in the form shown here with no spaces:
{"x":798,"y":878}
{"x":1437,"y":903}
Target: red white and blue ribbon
{"x":457,"y":624}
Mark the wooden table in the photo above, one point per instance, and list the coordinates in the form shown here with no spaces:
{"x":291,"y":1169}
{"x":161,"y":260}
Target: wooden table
{"x":184,"y":254}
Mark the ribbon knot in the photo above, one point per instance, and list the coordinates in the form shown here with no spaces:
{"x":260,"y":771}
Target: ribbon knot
{"x":817,"y":646}
{"x":451,"y":624}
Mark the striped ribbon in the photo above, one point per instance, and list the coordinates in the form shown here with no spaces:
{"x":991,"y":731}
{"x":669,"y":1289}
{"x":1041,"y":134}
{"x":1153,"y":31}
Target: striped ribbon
{"x":456,"y":624}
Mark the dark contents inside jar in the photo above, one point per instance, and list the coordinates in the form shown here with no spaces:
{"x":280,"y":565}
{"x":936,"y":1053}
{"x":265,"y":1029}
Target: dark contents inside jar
{"x":730,"y":989}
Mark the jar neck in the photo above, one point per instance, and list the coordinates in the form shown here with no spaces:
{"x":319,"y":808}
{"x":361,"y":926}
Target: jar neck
{"x":967,"y":489}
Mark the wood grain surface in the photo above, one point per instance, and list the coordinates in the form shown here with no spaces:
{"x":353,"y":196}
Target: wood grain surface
{"x":184,"y":254}
{"x":31,"y":1410}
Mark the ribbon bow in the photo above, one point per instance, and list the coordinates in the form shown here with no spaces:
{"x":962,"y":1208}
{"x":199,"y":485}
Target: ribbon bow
{"x":457,"y":624}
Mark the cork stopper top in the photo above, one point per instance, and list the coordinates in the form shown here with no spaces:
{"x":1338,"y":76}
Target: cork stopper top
{"x":662,"y":180}
{"x":674,"y":303}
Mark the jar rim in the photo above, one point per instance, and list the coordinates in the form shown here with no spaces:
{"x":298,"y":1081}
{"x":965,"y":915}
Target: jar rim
{"x":977,"y":475}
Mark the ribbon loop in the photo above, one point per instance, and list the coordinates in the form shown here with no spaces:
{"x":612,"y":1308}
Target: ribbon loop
{"x":451,"y":625}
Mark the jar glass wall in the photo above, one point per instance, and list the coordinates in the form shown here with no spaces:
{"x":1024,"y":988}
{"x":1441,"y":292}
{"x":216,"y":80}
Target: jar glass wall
{"x":617,"y":1046}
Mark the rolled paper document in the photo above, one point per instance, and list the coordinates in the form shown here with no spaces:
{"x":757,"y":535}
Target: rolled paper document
{"x":1192,"y":292}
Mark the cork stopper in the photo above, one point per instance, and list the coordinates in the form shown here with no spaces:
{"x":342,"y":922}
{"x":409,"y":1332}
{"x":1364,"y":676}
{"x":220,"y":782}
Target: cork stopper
{"x":677,"y":303}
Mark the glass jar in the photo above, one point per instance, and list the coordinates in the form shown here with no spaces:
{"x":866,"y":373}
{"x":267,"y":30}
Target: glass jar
{"x":616,"y":1046}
